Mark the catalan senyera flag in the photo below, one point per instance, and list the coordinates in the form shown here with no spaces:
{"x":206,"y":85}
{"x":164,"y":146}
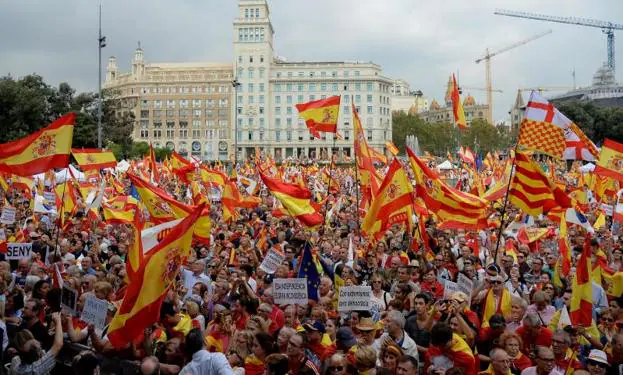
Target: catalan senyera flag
{"x":610,"y":162}
{"x":368,"y":177}
{"x":149,"y":285}
{"x":457,"y":105}
{"x":391,"y":147}
{"x":454,"y":208}
{"x":393,"y":203}
{"x":94,"y":159}
{"x":532,"y":191}
{"x":321,"y":115}
{"x":543,"y":127}
{"x":295,"y":199}
{"x":45,"y":149}
{"x":581,"y":308}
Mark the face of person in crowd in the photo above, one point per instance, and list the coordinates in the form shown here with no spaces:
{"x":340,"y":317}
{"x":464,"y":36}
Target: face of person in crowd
{"x":617,"y":348}
{"x":403,"y":274}
{"x":23,"y":267}
{"x":289,"y":316}
{"x":337,"y":367}
{"x":544,"y":360}
{"x":390,"y":360}
{"x":517,"y":311}
{"x":28,"y":311}
{"x":537,"y":265}
{"x":454,"y":324}
{"x":596,"y":368}
{"x":500,"y":362}
{"x":222,"y":275}
{"x":429,"y":276}
{"x":295,"y":347}
{"x":330,"y":328}
{"x":406,"y":368}
{"x":395,"y":263}
{"x":512,"y":347}
{"x":559,"y":345}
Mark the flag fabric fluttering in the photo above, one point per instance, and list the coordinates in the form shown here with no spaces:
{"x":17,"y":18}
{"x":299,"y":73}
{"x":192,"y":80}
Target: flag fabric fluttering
{"x":543,"y":127}
{"x":368,"y":176}
{"x":457,"y":105}
{"x":148,"y":287}
{"x":155,"y":173}
{"x":393,"y":203}
{"x":295,"y":199}
{"x":391,"y":147}
{"x":41,"y":151}
{"x":610,"y":162}
{"x":309,"y":271}
{"x":93,"y":158}
{"x":532,"y":191}
{"x":581,"y":307}
{"x":321,"y":115}
{"x":578,"y":146}
{"x":454,"y":208}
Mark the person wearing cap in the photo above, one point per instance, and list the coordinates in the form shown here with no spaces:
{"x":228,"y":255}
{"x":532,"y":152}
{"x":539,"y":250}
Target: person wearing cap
{"x":344,"y":339}
{"x":315,"y":330}
{"x":495,"y":298}
{"x":597,"y":363}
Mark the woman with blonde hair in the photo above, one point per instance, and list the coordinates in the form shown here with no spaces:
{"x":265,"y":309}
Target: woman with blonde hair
{"x":365,"y":360}
{"x":389,"y":357}
{"x":512,"y":344}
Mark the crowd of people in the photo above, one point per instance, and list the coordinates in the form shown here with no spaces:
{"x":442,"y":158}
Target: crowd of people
{"x":220,"y":317}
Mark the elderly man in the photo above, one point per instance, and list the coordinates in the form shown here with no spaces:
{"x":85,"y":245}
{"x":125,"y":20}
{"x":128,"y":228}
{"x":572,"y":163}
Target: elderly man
{"x":541,"y":307}
{"x":565,"y":360}
{"x":533,"y":334}
{"x":395,"y":324}
{"x":195,"y":275}
{"x":407,"y":365}
{"x":500,"y":363}
{"x":544,"y":363}
{"x":32,"y":359}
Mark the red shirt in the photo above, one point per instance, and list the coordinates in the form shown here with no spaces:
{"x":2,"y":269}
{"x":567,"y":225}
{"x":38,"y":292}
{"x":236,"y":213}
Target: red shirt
{"x":241,"y":321}
{"x":521,"y":362}
{"x":543,"y":338}
{"x":277,"y":320}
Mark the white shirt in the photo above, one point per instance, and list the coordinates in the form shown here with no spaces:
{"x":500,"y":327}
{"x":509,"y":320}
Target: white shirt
{"x":205,"y":362}
{"x":190,"y":280}
{"x":532,"y":371}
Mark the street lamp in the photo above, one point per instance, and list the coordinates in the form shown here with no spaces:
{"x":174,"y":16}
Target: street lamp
{"x":235,"y":85}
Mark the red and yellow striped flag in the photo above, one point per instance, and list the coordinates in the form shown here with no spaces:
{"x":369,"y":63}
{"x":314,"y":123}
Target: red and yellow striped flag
{"x":211,"y":177}
{"x":581,"y":308}
{"x":368,"y":177}
{"x":543,"y":127}
{"x":155,"y":173}
{"x":41,"y":151}
{"x":148,"y":287}
{"x":610,"y":162}
{"x":93,"y":159}
{"x":295,"y":199}
{"x":391,"y":147}
{"x":457,"y":106}
{"x":454,"y":208}
{"x":161,"y":206}
{"x":393,"y":203}
{"x":321,"y":115}
{"x":531,"y":191}
{"x":229,"y":201}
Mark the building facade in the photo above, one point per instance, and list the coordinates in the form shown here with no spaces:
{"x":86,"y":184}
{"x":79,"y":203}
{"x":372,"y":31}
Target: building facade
{"x":209,"y":109}
{"x":437,"y":113}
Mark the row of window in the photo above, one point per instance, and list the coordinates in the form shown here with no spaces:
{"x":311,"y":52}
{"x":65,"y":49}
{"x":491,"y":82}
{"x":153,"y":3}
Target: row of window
{"x":221,"y":113}
{"x":184,"y":103}
{"x":334,"y":74}
{"x":251,"y":34}
{"x":184,"y":133}
{"x":183,"y":90}
{"x":251,"y":13}
{"x":301,"y":135}
{"x":184,"y":124}
{"x":290,"y":87}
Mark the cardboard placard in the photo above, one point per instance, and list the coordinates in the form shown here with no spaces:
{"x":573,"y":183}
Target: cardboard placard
{"x":69,"y":299}
{"x":354,"y":298}
{"x":8,"y":215}
{"x":272,"y":260}
{"x":19,"y":250}
{"x":290,"y":291}
{"x":449,"y":289}
{"x":94,"y":312}
{"x":466,"y":286}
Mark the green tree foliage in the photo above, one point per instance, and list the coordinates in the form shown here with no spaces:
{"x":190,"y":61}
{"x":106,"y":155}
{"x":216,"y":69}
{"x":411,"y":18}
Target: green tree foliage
{"x":596,"y":122}
{"x":441,"y":138}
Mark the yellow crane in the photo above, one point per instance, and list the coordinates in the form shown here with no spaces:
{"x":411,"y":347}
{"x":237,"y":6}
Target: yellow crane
{"x":487,"y":59}
{"x":540,"y":89}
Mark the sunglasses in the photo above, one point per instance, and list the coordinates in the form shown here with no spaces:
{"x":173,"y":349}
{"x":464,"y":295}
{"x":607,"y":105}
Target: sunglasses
{"x":495,"y":282}
{"x":607,"y":319}
{"x":598,"y":364}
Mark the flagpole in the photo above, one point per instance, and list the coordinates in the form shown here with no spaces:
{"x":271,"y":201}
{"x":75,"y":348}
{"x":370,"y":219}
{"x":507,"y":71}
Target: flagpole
{"x":58,"y":223}
{"x":331,"y":167}
{"x":508,"y":188}
{"x":356,"y":171}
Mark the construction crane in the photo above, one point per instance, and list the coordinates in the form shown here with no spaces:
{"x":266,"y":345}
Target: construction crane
{"x":477,"y":89}
{"x":487,"y":59}
{"x":548,"y":88}
{"x":605,"y":26}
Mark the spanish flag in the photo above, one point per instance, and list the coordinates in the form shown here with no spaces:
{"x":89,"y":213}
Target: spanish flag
{"x":321,"y":115}
{"x":295,"y":199}
{"x":393,"y":204}
{"x":155,"y":174}
{"x":211,"y":177}
{"x":230,"y":200}
{"x":66,"y":202}
{"x":457,"y":105}
{"x":45,"y":149}
{"x":580,"y":310}
{"x":124,"y":215}
{"x":94,"y":159}
{"x":532,"y":191}
{"x":135,"y":250}
{"x":161,"y":206}
{"x":610,"y":162}
{"x":149,"y":286}
{"x":391,"y":147}
{"x":368,"y":177}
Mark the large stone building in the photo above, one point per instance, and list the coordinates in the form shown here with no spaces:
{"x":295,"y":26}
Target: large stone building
{"x":407,"y":101}
{"x":443,"y":114}
{"x":193,"y":107}
{"x":603,"y":92}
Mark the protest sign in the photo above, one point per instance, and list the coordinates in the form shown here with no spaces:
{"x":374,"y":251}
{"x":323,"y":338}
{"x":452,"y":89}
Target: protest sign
{"x":354,"y":298}
{"x":18,"y":250}
{"x":465,"y":285}
{"x":290,"y":291}
{"x":607,"y":209}
{"x":449,"y":289}
{"x":8,"y":215}
{"x":69,"y":298}
{"x":94,"y":312}
{"x":2,"y":234}
{"x":272,"y":260}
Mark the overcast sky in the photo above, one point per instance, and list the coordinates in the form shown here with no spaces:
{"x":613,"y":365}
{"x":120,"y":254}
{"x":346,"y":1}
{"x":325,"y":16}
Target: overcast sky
{"x":419,"y":41}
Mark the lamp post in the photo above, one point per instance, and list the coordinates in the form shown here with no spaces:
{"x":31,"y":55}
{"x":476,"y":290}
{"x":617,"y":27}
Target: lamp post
{"x":101,"y":40}
{"x":235,"y":85}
